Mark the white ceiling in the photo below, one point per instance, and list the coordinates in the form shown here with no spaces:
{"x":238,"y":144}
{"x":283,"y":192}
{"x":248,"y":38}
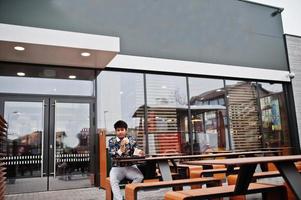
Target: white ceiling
{"x":53,"y":47}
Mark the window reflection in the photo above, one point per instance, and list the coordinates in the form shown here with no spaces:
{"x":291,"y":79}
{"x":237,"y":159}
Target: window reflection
{"x":243,"y":114}
{"x":49,"y":79}
{"x":208,"y":114}
{"x":222,"y":117}
{"x":167,"y":114}
{"x":24,"y":139}
{"x":26,"y":85}
{"x":121,"y":96}
{"x":275,"y":131}
{"x":72,"y":133}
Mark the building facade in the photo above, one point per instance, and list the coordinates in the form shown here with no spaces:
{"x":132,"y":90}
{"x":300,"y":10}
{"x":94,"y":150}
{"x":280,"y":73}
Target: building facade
{"x":188,"y":77}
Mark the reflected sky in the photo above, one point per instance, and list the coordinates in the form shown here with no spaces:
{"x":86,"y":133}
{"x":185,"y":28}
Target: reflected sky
{"x":71,"y":118}
{"x":23,"y":118}
{"x":119,"y":96}
{"x":25,"y":85}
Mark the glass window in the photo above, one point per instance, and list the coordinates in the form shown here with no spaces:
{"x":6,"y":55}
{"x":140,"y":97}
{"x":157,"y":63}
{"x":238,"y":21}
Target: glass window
{"x":26,"y":85}
{"x":167,"y":113}
{"x":275,"y":132}
{"x":120,"y":96}
{"x":25,"y":78}
{"x":208,"y":114}
{"x":243,"y":114}
{"x":24,"y":139}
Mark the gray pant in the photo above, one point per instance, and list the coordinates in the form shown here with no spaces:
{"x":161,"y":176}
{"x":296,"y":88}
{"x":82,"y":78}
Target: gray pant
{"x":117,"y":174}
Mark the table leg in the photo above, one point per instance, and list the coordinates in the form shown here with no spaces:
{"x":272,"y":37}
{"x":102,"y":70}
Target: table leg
{"x":165,"y":170}
{"x":244,"y":178}
{"x":291,"y":175}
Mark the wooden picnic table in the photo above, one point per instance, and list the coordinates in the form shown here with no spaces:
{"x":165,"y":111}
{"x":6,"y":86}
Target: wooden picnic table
{"x":247,"y":166}
{"x":165,"y":154}
{"x":281,"y":150}
{"x":163,"y":161}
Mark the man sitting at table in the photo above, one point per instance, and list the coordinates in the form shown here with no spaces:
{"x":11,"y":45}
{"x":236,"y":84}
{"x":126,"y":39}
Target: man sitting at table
{"x":121,"y":146}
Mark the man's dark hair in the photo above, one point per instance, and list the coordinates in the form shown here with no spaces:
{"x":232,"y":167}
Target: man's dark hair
{"x":120,"y":124}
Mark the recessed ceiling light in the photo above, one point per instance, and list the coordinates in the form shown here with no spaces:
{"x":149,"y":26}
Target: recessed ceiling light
{"x":72,"y":77}
{"x":85,"y":54}
{"x":19,"y":48}
{"x":21,"y":74}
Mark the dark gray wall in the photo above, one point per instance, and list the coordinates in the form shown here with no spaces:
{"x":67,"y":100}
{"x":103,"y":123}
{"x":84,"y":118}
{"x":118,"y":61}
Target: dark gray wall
{"x":215,"y":31}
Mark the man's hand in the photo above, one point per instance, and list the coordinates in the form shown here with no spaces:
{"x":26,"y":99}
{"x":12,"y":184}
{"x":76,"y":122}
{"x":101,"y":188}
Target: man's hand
{"x":141,"y":153}
{"x":123,"y":142}
{"x":122,"y":146}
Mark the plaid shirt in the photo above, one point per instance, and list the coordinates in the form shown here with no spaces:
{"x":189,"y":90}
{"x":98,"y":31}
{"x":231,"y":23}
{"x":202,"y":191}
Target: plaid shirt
{"x":114,"y":146}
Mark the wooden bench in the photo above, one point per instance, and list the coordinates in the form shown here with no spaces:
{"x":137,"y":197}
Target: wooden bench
{"x":185,"y":170}
{"x":231,"y":179}
{"x":174,"y":175}
{"x":132,"y":189}
{"x":268,"y":174}
{"x":270,"y":192}
{"x":256,"y":176}
{"x":211,"y":172}
{"x":109,"y":194}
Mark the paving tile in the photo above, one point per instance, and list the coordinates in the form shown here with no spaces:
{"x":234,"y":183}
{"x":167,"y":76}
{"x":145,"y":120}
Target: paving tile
{"x":92,"y":194}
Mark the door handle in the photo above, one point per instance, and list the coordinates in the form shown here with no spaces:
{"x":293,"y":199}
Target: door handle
{"x":42,"y":139}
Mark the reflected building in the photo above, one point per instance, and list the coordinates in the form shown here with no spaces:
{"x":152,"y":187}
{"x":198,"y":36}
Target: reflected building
{"x":254,"y":117}
{"x":23,"y":156}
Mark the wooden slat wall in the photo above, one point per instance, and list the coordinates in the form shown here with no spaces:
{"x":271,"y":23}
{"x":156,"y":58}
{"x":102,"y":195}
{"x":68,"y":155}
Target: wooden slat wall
{"x":163,"y":125}
{"x":243,"y":114}
{"x":3,"y":138}
{"x":163,"y":131}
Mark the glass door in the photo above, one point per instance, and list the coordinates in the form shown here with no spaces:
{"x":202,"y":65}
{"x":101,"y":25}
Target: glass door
{"x":70,"y":144}
{"x":25,"y":159}
{"x":49,"y":143}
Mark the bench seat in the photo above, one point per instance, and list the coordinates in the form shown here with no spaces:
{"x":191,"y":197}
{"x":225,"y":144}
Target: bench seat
{"x":275,"y":192}
{"x":259,"y":175}
{"x":185,"y":170}
{"x":109,"y":194}
{"x":132,"y":189}
{"x":212,"y":172}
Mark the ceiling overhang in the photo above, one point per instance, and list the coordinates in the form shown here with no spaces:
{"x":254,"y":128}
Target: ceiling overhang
{"x":54,"y":47}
